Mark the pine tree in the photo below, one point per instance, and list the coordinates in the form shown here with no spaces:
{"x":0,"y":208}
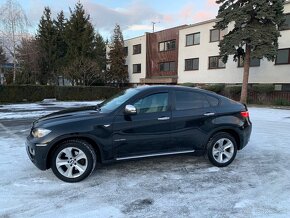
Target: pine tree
{"x":80,"y":34}
{"x":100,"y":51}
{"x":80,"y":39}
{"x":46,"y":37}
{"x":117,"y":73}
{"x":61,"y":45}
{"x":255,"y":33}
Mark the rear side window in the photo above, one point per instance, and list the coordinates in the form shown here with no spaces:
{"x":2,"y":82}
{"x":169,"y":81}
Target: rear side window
{"x":190,"y":100}
{"x":213,"y":101}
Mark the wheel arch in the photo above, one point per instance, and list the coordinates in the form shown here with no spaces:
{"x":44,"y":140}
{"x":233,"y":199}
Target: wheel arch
{"x":234,"y":133}
{"x":88,"y":139}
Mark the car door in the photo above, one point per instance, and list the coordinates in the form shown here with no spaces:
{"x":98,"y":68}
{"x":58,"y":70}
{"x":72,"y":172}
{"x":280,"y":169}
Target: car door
{"x":191,"y":119}
{"x":148,"y":131}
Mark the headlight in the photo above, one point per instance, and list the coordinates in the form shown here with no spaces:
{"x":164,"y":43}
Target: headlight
{"x":39,"y":132}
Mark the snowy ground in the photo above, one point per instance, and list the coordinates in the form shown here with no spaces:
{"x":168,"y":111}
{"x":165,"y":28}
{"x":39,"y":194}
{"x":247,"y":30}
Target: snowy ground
{"x":256,"y":184}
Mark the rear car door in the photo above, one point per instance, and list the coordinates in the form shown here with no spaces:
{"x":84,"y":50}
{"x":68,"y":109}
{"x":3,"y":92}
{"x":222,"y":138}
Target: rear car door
{"x":148,"y":131}
{"x":191,"y":119}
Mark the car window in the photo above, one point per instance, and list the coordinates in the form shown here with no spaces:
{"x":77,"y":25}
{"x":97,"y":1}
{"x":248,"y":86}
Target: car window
{"x":212,"y":100}
{"x":190,"y":100}
{"x":152,"y":103}
{"x":114,"y":102}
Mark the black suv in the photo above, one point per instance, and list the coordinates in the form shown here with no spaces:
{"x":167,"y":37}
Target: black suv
{"x":139,"y":122}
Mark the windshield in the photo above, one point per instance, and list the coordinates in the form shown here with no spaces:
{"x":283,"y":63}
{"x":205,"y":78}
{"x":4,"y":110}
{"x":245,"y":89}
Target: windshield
{"x":117,"y":100}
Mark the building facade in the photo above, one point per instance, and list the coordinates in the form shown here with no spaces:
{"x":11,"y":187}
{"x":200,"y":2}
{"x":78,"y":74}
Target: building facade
{"x":199,"y":60}
{"x":162,"y":56}
{"x":190,"y":54}
{"x":136,"y":58}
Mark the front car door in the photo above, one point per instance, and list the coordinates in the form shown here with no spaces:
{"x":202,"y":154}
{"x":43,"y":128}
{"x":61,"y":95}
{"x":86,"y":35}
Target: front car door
{"x":148,"y":131}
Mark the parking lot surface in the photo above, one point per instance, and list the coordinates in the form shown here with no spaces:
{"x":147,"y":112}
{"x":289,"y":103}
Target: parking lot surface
{"x":256,"y":184}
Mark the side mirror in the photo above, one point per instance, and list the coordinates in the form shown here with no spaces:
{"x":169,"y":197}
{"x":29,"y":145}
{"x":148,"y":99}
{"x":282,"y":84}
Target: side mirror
{"x":130,"y":110}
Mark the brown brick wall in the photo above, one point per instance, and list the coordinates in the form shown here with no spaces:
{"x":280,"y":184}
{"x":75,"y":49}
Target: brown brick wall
{"x":154,"y":56}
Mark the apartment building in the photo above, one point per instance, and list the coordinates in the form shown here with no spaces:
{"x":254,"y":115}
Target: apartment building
{"x":190,"y":53}
{"x":162,"y":56}
{"x":153,"y":57}
{"x":199,"y":60}
{"x":135,"y":50}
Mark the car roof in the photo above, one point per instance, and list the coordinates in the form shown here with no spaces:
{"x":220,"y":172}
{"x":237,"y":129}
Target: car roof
{"x":172,"y":87}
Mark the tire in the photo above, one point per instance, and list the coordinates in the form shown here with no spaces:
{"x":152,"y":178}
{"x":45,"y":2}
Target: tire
{"x":222,"y":149}
{"x":73,"y":161}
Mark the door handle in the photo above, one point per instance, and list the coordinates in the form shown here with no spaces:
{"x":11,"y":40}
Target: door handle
{"x":163,"y":118}
{"x":209,"y":114}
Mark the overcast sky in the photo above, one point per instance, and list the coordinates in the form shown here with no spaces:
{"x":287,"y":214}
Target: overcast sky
{"x":134,"y":16}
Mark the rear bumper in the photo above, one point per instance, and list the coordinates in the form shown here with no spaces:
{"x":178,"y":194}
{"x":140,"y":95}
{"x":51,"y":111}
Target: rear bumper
{"x":39,"y":160}
{"x":245,"y":135}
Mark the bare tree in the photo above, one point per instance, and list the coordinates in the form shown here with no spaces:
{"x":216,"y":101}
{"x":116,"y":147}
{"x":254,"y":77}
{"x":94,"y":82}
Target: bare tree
{"x":28,"y":56}
{"x":13,"y":22}
{"x":84,"y":72}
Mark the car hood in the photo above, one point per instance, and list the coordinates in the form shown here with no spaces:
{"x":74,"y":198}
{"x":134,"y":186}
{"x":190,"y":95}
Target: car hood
{"x":69,"y":114}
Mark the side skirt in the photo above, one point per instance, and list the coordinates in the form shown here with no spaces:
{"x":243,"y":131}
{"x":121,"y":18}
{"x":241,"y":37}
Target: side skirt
{"x":155,"y":155}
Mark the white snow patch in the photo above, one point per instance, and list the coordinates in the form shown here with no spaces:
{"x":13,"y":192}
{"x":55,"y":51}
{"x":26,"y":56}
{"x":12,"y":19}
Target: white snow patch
{"x":243,"y":203}
{"x":266,"y":114}
{"x":256,"y":184}
{"x":23,"y":115}
{"x":44,"y":105}
{"x":34,"y":110}
{"x":213,"y":169}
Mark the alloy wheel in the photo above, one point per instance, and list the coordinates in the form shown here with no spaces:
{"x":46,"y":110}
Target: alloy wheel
{"x":71,"y":162}
{"x":223,"y":150}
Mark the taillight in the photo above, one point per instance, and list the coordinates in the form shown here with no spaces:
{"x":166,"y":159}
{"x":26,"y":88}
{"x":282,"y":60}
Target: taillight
{"x":245,"y":114}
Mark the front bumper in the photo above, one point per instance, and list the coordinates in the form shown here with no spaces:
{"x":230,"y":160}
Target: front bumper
{"x":37,"y":154}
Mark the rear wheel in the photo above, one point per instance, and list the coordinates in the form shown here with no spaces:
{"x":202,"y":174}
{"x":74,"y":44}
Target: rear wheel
{"x":73,"y":160}
{"x":221,"y":149}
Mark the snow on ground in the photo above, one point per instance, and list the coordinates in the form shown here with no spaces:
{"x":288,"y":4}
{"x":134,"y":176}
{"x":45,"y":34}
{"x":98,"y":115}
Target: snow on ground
{"x":256,"y":184}
{"x":23,"y":111}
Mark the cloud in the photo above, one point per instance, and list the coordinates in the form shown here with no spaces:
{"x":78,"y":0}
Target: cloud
{"x":203,"y":15}
{"x":139,"y":27}
{"x":212,"y":3}
{"x":105,"y":18}
{"x":134,"y":16}
{"x":187,"y":11}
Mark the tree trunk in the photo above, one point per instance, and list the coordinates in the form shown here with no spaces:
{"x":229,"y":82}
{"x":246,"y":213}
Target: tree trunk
{"x":14,"y":51}
{"x":244,"y":93}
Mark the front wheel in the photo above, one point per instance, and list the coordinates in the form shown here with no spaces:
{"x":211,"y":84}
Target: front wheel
{"x":221,"y":149}
{"x":73,"y":160}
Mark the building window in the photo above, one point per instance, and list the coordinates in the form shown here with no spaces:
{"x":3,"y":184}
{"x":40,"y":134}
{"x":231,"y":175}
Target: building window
{"x":137,"y":49}
{"x":283,"y":56}
{"x":126,"y":51}
{"x":193,"y":39}
{"x":216,"y":34}
{"x":192,"y":64}
{"x":286,"y":24}
{"x":215,"y":62}
{"x":255,"y":62}
{"x":136,"y":68}
{"x":167,"y":66}
{"x":167,"y":46}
